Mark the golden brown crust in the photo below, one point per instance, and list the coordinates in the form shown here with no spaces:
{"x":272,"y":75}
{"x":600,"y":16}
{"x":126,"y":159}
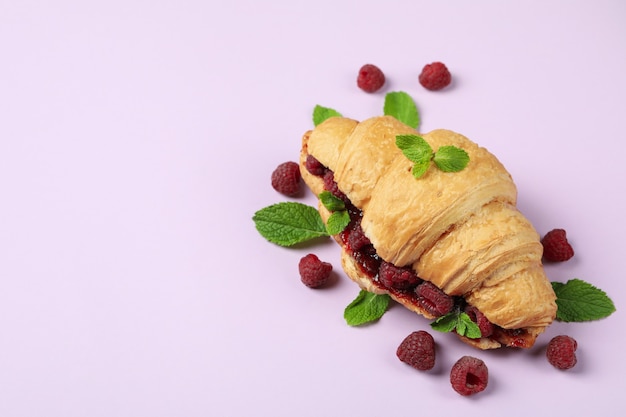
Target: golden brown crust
{"x":460,"y":231}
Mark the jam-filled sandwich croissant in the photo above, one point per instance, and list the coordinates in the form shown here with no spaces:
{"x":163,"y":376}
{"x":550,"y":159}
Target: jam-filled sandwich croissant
{"x":444,"y":241}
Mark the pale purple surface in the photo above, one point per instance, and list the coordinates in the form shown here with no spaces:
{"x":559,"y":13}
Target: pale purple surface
{"x":137,"y":139}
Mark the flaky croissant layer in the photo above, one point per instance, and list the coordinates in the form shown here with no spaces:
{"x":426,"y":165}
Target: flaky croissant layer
{"x":461,"y":231}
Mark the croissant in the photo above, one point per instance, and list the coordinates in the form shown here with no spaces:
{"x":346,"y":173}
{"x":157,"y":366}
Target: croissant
{"x":456,"y":240}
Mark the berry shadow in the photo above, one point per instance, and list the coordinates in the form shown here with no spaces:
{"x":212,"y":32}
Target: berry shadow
{"x":454,"y":85}
{"x":333,"y":281}
{"x":300,"y":194}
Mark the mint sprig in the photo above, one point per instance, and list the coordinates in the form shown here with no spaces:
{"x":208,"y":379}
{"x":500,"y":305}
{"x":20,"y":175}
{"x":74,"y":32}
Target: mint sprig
{"x":321,"y":113}
{"x":415,"y":148}
{"x":459,"y":321}
{"x":337,"y":221}
{"x":401,"y":106}
{"x":451,"y":159}
{"x":339,"y":218}
{"x":366,"y":308}
{"x":331,"y":201}
{"x":418,"y":151}
{"x":579,"y":301}
{"x":289,"y":223}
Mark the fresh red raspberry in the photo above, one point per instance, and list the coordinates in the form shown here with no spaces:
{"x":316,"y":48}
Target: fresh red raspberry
{"x":286,"y":178}
{"x":435,"y":76}
{"x":469,"y":376}
{"x":392,"y":276}
{"x":313,"y":272}
{"x":433,"y":299}
{"x":331,"y":185}
{"x":370,"y":78}
{"x":556,"y":248}
{"x":418,"y":350}
{"x":357,"y":239}
{"x":314,"y":166}
{"x":485,"y":326}
{"x":561,"y":352}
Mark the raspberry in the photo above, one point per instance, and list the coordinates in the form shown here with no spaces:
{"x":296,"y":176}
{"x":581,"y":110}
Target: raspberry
{"x":469,"y":376}
{"x":433,"y":299}
{"x":286,"y":178}
{"x":357,"y":239}
{"x":435,"y":76}
{"x":313,"y":272}
{"x":314,"y":166}
{"x":392,"y":276}
{"x":561,"y":352}
{"x":331,"y":185}
{"x":485,"y":326}
{"x":556,"y":248}
{"x":370,"y":78}
{"x":418,"y":350}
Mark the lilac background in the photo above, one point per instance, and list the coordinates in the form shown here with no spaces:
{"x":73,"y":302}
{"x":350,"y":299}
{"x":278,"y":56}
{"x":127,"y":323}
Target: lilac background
{"x":137,"y":139}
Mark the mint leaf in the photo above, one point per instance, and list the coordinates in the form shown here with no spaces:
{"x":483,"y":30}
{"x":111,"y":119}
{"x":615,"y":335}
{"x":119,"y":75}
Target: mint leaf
{"x":579,"y":301}
{"x":288,"y":223}
{"x":466,"y":327}
{"x":451,"y":159}
{"x":331,"y":202}
{"x":415,"y":148}
{"x":337,"y":221}
{"x":460,"y":327}
{"x":445,"y":323}
{"x":339,"y":218}
{"x":321,"y":113}
{"x":420,"y":168}
{"x":418,"y":151}
{"x":401,"y":106}
{"x":459,"y":321}
{"x":365,"y":308}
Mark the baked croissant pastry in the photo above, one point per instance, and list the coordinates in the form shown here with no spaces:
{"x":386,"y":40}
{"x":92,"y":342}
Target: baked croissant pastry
{"x":440,"y":242}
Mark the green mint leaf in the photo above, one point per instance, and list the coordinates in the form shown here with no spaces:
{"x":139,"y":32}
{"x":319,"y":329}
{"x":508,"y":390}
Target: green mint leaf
{"x":461,"y":327}
{"x":578,"y":301}
{"x":337,"y":221}
{"x":420,"y":168}
{"x":415,"y":148}
{"x":451,"y":159}
{"x":466,"y":327}
{"x":321,"y":113}
{"x":365,"y":308}
{"x":331,"y":202}
{"x":459,"y":321}
{"x":288,"y":223}
{"x":401,"y":106}
{"x":445,"y":323}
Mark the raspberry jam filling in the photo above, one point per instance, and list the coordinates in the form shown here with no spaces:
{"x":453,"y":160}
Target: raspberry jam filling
{"x":402,"y":282}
